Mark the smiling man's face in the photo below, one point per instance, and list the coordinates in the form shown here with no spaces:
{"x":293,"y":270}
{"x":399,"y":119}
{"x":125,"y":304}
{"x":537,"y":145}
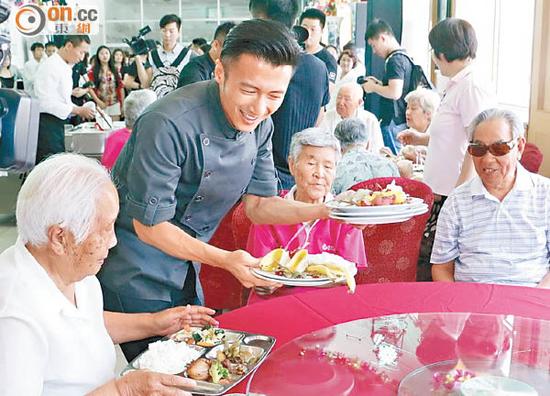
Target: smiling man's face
{"x":251,"y":89}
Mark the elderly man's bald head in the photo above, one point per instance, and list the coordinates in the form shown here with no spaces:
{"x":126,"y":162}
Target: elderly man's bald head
{"x":348,"y":100}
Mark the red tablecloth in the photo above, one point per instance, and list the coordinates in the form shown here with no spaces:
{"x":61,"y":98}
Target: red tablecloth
{"x":289,"y":317}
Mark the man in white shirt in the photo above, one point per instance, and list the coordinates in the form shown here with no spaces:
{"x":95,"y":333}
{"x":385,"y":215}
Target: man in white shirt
{"x":167,"y":60}
{"x":53,"y":87}
{"x":349,"y":104}
{"x":31,"y":66}
{"x":496,"y":227}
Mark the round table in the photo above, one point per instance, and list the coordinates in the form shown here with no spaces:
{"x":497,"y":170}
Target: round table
{"x":408,"y":354}
{"x":289,"y":317}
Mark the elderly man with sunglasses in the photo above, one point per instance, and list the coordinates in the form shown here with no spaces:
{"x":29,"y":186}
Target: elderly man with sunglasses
{"x":495,"y":228}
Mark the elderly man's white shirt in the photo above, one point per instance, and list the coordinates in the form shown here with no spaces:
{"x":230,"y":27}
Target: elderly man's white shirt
{"x":332,"y":118}
{"x":465,"y":97}
{"x":497,"y":242}
{"x":48,"y":346}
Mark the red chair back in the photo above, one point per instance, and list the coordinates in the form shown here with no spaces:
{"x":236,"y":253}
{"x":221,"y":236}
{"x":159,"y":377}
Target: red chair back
{"x":392,"y":249}
{"x":221,"y":289}
{"x":240,"y":227}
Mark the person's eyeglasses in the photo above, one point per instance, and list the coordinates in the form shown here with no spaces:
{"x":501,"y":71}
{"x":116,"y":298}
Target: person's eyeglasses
{"x":498,"y":149}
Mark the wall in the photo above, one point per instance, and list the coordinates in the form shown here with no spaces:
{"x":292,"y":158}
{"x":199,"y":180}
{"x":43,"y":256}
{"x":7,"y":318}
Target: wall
{"x":539,"y":109}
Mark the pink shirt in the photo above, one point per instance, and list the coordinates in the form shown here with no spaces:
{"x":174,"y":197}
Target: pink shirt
{"x":325,"y":236}
{"x":113,"y":146}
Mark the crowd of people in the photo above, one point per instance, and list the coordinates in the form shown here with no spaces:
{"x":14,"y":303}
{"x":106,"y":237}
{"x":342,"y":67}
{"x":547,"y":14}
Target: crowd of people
{"x":248,"y":118}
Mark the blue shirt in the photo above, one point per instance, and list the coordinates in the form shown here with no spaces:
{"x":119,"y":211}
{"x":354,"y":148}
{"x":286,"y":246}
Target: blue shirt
{"x":358,"y":165}
{"x":496,"y":242}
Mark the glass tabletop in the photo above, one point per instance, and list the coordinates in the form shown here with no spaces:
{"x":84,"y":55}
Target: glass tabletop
{"x":413,"y":354}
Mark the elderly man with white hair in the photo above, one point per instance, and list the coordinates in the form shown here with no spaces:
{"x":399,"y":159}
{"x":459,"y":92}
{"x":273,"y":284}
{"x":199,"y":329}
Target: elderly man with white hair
{"x":349,"y":104}
{"x":55,"y":337}
{"x":134,"y":104}
{"x":496,"y":227}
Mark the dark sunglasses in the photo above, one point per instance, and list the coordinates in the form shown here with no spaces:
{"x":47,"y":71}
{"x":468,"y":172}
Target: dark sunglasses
{"x":498,"y":149}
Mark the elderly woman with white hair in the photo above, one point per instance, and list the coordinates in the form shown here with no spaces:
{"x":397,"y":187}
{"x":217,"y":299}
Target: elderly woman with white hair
{"x":314,"y":154}
{"x":358,"y":163}
{"x":134,"y":105}
{"x":55,"y":337}
{"x":422,"y":104}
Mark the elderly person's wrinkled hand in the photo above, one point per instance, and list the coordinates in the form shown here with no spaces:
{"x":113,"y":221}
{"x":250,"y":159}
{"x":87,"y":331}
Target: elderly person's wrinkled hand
{"x":239,"y":263}
{"x":171,"y":320}
{"x":410,"y":136}
{"x":137,"y":383}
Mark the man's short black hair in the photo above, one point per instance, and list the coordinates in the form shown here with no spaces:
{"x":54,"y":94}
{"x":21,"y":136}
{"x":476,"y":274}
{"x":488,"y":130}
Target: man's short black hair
{"x":269,"y":41}
{"x":283,"y":11}
{"x":170,"y":18}
{"x":50,"y":44}
{"x":198,"y":41}
{"x":36,"y":45}
{"x":454,"y":38}
{"x":222,"y":30}
{"x":314,"y":13}
{"x":76,"y":39}
{"x":376,"y":28}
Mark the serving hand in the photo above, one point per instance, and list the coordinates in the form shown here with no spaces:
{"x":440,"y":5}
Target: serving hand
{"x":239,"y":263}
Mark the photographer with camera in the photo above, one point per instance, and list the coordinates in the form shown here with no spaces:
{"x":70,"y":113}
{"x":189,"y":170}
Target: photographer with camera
{"x":166,"y":62}
{"x":53,"y":87}
{"x":395,"y":84}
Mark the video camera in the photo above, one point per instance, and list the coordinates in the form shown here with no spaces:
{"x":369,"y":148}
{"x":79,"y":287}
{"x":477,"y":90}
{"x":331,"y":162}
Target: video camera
{"x":138,"y":44}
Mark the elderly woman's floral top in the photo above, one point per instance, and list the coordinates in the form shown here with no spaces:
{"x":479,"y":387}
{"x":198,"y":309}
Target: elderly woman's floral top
{"x":358,"y":165}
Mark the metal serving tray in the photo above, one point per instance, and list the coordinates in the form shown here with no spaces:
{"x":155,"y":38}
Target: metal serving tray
{"x":260,"y":344}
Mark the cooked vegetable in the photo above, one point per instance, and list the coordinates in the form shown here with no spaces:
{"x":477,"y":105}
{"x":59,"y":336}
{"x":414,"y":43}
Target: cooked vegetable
{"x":217,"y":372}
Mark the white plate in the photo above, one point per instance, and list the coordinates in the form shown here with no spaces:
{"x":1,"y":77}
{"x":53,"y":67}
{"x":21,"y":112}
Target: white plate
{"x":291,"y":282}
{"x":273,"y":276}
{"x":382,"y":219}
{"x":417,"y":209}
{"x":341,"y":207}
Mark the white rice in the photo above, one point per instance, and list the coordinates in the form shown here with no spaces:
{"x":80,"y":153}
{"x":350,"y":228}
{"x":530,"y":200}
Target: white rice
{"x":168,"y":357}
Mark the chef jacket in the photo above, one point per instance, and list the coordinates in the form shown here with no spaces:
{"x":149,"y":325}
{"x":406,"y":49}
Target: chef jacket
{"x":184,"y":163}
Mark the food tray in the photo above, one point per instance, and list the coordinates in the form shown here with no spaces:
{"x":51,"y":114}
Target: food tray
{"x":256,"y":344}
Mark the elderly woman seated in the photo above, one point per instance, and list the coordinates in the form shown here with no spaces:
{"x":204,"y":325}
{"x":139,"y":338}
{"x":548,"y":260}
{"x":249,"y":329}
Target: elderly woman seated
{"x":134,"y":105}
{"x":495,"y":228}
{"x":314,"y":154}
{"x":55,"y":337}
{"x":358,"y":163}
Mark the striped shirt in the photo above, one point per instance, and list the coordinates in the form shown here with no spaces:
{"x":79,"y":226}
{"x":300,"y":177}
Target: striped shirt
{"x":496,"y":242}
{"x":358,"y":165}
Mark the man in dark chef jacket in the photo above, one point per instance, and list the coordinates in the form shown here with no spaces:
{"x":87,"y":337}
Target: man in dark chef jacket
{"x":191,"y":156}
